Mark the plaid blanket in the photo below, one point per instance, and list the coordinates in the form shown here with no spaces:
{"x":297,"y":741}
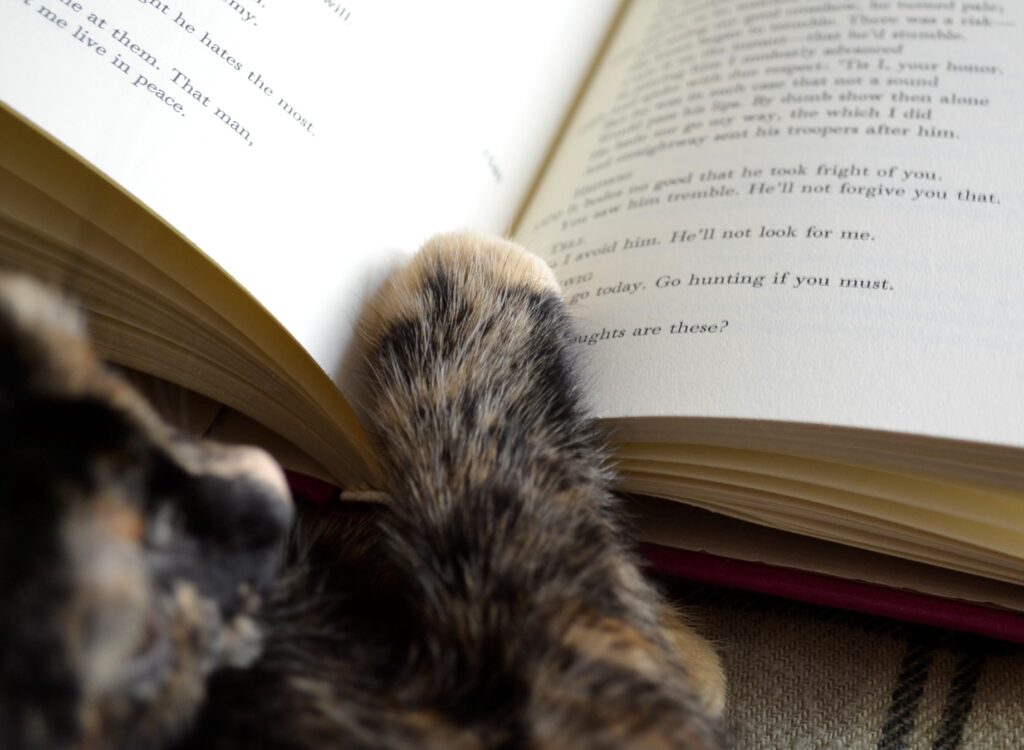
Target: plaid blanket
{"x":803,"y":677}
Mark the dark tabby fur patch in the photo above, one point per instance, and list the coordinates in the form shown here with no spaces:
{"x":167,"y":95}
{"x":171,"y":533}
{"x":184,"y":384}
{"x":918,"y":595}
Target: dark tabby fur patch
{"x":151,"y":595}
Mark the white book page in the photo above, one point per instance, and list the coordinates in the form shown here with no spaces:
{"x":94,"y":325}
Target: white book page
{"x":303,"y":145}
{"x":801,"y":212}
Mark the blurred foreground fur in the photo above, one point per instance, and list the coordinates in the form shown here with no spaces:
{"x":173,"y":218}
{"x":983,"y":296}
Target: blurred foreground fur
{"x":156,"y":591}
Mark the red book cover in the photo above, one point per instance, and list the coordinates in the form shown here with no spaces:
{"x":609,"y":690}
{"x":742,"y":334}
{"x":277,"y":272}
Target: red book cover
{"x":839,"y":593}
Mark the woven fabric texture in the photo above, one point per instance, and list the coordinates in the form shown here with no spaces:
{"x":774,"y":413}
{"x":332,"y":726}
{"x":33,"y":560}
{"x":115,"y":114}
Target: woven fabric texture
{"x":808,"y":678}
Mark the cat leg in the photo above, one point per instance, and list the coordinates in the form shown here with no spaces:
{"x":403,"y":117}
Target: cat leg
{"x":535,"y":625}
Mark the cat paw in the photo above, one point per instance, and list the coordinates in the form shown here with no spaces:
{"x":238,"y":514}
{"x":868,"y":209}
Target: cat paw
{"x":468,"y":359}
{"x":131,"y":557}
{"x":477,"y":266}
{"x":470,"y":316}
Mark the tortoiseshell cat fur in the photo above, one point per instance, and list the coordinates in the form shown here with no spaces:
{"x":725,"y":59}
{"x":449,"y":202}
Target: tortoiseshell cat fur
{"x":158,"y":592}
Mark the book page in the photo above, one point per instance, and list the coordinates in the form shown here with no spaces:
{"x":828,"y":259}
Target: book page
{"x":800,"y":211}
{"x":303,"y":145}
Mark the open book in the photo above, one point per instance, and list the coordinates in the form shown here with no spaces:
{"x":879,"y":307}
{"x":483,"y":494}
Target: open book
{"x":791,"y":233}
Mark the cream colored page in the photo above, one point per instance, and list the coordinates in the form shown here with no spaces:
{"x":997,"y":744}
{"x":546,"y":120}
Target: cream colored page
{"x":799,"y":211}
{"x":306,"y":144}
